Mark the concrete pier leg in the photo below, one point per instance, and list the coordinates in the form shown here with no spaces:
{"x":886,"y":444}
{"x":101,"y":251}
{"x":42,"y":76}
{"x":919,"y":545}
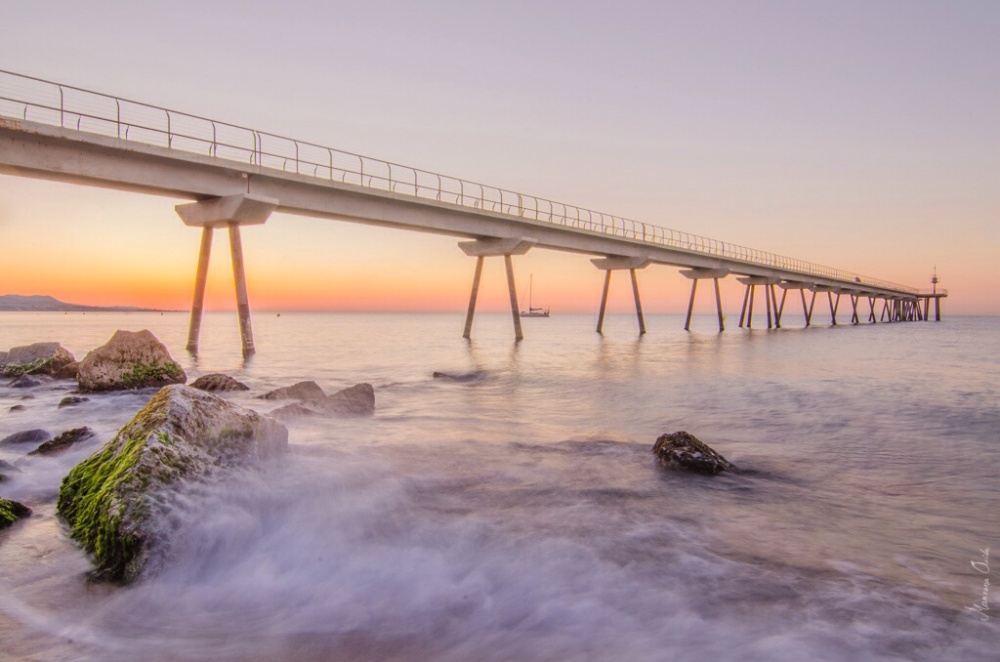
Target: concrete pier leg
{"x":472,"y":297}
{"x":743,"y":311}
{"x":694,"y":288}
{"x":812,"y":302}
{"x":885,"y":309}
{"x":518,"y":334}
{"x":242,"y":299}
{"x":871,"y":313}
{"x":937,"y":309}
{"x":833,"y":307}
{"x":201,"y":277}
{"x":854,"y":310}
{"x":718,"y":306}
{"x":638,"y":304}
{"x":767,"y":300}
{"x":753,"y":291}
{"x":805,"y":310}
{"x":778,"y":310}
{"x":604,"y":301}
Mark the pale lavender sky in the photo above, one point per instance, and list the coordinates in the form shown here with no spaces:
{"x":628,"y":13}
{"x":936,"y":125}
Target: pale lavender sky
{"x":862,"y":135}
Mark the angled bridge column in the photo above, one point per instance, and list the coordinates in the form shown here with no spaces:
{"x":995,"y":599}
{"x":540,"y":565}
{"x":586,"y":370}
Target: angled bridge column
{"x":612,"y":263}
{"x":230,"y":211}
{"x":494,"y":247}
{"x":697,"y":274}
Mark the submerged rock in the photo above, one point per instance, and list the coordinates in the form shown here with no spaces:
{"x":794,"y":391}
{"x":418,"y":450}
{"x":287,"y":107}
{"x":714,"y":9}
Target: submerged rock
{"x":11,"y":511}
{"x":116,"y":501}
{"x":473,"y":376}
{"x":302,"y":391}
{"x":357,"y":400}
{"x":27,"y":381}
{"x":129,"y":360}
{"x":16,"y":408}
{"x":217,"y":381}
{"x":42,"y":358}
{"x":61,"y":443}
{"x":26,"y":437}
{"x":685,"y":451}
{"x":293,"y":410}
{"x":72,"y":401}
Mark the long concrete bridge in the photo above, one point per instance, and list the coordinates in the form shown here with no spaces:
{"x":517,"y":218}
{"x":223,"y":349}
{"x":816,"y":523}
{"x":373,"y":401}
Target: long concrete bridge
{"x":238,"y":176}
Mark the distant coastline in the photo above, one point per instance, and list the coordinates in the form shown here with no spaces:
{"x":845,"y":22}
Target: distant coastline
{"x":41,"y":303}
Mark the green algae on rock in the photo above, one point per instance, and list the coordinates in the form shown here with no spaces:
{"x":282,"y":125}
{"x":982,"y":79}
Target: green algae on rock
{"x":11,"y":511}
{"x":42,"y":358}
{"x":130,"y":360}
{"x":117,"y":501}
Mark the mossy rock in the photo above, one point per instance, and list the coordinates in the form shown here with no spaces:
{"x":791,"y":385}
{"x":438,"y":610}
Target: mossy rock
{"x":117,"y":501}
{"x":43,"y":358}
{"x":130,"y":360}
{"x":11,"y":511}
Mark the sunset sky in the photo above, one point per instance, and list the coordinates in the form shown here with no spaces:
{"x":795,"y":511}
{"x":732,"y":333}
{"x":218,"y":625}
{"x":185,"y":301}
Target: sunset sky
{"x":861,"y":135}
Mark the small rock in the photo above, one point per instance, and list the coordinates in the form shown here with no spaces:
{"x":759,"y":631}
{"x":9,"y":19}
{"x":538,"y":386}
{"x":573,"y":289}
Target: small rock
{"x":60,"y":444}
{"x":130,"y":360}
{"x":26,"y":381}
{"x":8,"y":467}
{"x":217,"y":381}
{"x":358,"y":400}
{"x":72,"y":401}
{"x":26,"y":437}
{"x":685,"y":451}
{"x":293,"y":410}
{"x":17,"y":408}
{"x":11,"y":511}
{"x":68,"y":371}
{"x":42,"y":358}
{"x":302,"y":391}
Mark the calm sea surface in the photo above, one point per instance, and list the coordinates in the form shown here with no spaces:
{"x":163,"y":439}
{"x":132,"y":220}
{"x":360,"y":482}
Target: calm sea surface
{"x":521,"y":515}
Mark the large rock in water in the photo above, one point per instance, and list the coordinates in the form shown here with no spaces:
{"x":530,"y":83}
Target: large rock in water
{"x":41,"y":358}
{"x":217,"y":381}
{"x":301,"y":391}
{"x":129,"y":360}
{"x":684,"y":450}
{"x":116,"y":501}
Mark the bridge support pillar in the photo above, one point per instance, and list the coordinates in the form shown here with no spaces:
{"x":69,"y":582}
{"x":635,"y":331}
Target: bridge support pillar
{"x":751,"y":283}
{"x":697,"y":274}
{"x":609,"y":264}
{"x":230,"y":211}
{"x":854,"y":313}
{"x":801,"y":287}
{"x":495,"y":247}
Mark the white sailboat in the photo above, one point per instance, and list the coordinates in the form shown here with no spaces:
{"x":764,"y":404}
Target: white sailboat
{"x":532,"y":311}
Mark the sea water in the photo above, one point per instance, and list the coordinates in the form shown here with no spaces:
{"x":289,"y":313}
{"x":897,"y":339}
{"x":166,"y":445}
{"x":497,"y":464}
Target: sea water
{"x":520,"y":514}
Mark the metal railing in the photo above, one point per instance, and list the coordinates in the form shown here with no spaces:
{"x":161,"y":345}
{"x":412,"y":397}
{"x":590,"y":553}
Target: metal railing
{"x":68,"y":107}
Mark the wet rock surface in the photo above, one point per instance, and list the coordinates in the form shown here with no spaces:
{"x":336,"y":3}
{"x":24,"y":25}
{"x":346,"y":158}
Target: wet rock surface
{"x":357,"y":400}
{"x":474,"y":376}
{"x":72,"y":401}
{"x":130,"y":360}
{"x":117,"y":501}
{"x":682,"y":450}
{"x":308,"y":390}
{"x":62,"y":442}
{"x":36,"y":436}
{"x":217,"y":381}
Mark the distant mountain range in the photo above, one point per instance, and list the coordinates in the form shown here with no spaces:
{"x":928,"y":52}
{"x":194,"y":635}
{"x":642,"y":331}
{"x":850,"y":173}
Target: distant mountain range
{"x":38,"y":303}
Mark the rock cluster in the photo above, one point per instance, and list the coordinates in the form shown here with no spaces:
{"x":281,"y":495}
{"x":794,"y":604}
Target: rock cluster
{"x":357,"y":400}
{"x":683,"y":450}
{"x":116,"y":502}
